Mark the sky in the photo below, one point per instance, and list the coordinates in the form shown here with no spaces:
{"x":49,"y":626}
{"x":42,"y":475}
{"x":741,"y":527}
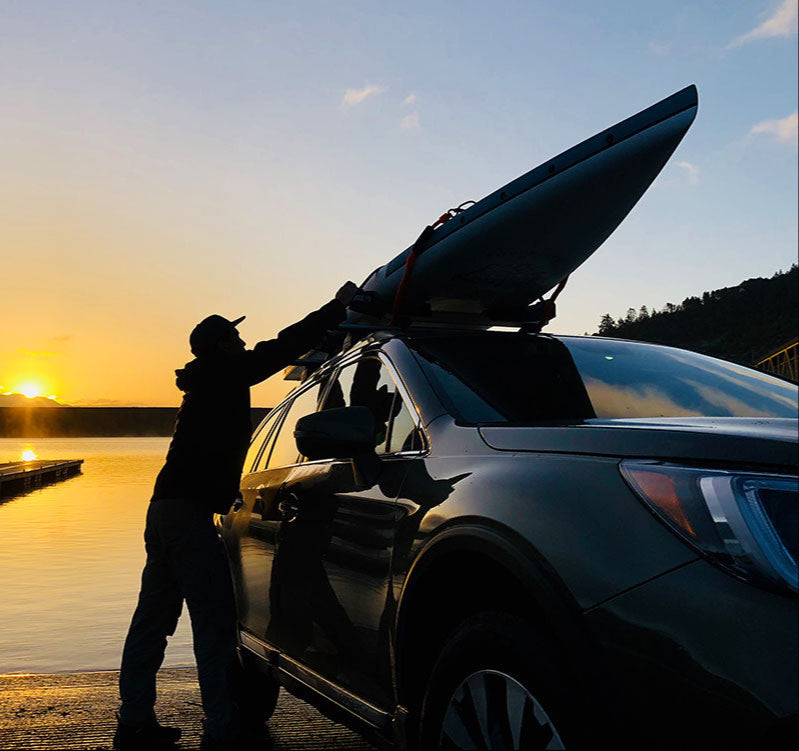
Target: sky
{"x":162,"y":161}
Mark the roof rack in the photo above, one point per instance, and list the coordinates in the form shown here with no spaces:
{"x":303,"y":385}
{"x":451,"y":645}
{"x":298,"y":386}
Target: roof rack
{"x":304,"y":365}
{"x":348,"y":335}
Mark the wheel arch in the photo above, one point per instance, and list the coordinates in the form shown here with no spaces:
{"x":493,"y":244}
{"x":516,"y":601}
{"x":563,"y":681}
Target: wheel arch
{"x":467,"y":567}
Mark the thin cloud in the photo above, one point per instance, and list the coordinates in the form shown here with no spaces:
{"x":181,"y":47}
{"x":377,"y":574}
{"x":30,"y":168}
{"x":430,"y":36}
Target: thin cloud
{"x":62,"y":338}
{"x":781,"y":23}
{"x":356,"y":96}
{"x":661,"y":49}
{"x":784,"y":130}
{"x":410,"y":122}
{"x":691,"y":172}
{"x":410,"y":99}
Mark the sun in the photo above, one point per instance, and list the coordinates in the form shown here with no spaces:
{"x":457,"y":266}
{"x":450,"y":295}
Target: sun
{"x":29,"y":455}
{"x":31,"y":385}
{"x":30,"y":389}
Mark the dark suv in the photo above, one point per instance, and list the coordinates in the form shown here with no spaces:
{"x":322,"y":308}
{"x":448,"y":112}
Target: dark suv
{"x":454,"y":539}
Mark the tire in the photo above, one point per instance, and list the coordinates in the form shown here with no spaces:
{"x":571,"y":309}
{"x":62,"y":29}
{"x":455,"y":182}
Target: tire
{"x":256,"y":691}
{"x":496,"y":685}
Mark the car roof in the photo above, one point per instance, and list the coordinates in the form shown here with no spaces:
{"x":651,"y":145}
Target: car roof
{"x":374,"y":339}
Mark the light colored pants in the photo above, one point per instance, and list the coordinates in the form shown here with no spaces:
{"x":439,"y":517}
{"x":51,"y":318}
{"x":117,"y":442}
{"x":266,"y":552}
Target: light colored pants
{"x":185,"y":560}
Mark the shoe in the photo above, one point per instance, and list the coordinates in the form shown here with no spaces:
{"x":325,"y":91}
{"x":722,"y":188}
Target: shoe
{"x":149,"y":736}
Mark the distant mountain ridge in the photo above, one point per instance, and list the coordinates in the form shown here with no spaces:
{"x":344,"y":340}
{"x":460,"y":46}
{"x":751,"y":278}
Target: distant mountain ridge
{"x":742,"y":324}
{"x":20,"y":400}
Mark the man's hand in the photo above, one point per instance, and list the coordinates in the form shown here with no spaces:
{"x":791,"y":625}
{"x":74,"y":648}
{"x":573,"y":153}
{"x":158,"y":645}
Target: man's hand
{"x":347,"y":292}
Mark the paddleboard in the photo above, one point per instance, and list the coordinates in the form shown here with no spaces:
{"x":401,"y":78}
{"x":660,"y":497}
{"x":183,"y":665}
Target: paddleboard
{"x":489,"y":262}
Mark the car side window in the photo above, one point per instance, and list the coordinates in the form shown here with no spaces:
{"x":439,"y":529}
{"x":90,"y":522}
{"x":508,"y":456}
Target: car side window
{"x":284,"y":451}
{"x":268,"y":438}
{"x":367,"y":383}
{"x":404,"y":434}
{"x":259,"y":439}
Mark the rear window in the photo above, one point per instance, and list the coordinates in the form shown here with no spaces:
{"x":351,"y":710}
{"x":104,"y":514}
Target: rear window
{"x":507,"y":377}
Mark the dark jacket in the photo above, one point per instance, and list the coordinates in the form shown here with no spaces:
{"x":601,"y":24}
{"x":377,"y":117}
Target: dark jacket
{"x":213,"y":426}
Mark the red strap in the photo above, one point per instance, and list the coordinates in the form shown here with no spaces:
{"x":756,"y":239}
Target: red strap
{"x":410,"y":262}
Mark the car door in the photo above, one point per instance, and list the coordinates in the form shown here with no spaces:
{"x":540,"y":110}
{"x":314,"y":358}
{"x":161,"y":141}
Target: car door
{"x":330,"y":581}
{"x":250,"y":531}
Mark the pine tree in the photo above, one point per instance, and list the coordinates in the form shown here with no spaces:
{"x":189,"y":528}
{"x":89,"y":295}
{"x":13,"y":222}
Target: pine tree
{"x":606,"y":325}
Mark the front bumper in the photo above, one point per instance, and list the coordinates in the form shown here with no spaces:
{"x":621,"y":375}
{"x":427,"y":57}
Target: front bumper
{"x":698,"y":659}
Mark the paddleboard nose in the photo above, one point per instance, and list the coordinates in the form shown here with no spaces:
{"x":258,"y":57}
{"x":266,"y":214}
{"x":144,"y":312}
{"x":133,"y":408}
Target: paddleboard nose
{"x":510,"y":248}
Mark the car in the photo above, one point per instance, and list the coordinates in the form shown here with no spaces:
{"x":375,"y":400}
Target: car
{"x":471,"y":538}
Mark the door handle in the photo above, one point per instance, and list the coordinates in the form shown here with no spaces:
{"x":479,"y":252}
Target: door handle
{"x":288,"y":510}
{"x":288,"y":504}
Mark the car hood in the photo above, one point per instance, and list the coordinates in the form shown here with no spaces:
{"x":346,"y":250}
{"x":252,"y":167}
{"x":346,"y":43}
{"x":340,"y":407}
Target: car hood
{"x":740,"y":440}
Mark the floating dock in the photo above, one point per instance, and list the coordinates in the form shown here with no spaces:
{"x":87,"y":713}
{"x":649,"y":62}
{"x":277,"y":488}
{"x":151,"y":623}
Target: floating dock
{"x":21,"y":477}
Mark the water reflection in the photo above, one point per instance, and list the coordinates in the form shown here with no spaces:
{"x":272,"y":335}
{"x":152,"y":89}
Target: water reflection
{"x":72,"y":555}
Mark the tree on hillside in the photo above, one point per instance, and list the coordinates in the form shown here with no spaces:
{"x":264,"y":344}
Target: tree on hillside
{"x":741,"y":324}
{"x":607,"y":325}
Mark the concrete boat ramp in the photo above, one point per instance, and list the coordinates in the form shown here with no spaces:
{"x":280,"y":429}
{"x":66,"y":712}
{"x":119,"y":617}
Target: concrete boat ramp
{"x":76,"y":711}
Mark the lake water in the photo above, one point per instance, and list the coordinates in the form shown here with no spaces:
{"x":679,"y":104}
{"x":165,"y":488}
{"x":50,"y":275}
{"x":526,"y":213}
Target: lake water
{"x":71,"y":557}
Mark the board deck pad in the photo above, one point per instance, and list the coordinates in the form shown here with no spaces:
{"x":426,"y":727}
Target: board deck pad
{"x":508,"y":249}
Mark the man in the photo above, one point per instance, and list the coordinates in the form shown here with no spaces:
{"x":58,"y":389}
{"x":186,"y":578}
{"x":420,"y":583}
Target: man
{"x":185,"y":557}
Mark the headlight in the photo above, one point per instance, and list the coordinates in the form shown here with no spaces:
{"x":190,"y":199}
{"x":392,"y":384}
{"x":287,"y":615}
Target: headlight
{"x":744,"y":522}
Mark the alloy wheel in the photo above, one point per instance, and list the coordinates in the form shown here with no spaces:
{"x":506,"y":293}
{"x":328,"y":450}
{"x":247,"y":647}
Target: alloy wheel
{"x":492,"y":710}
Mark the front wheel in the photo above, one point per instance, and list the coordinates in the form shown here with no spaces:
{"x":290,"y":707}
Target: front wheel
{"x":496,"y":685}
{"x":256,"y":691}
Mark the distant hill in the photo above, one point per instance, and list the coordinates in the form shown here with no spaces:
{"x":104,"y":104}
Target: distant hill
{"x":35,"y":422}
{"x":742,"y":324}
{"x":20,"y":400}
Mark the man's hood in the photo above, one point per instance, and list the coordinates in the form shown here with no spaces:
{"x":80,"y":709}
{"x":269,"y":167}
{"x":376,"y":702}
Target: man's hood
{"x":199,"y":373}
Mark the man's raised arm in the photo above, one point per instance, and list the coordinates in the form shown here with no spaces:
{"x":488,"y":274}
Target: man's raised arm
{"x":267,"y":358}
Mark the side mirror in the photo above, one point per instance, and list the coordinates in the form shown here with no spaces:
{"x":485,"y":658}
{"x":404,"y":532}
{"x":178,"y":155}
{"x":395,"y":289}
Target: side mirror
{"x":340,"y":433}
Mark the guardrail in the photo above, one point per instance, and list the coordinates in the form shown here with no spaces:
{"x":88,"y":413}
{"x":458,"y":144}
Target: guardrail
{"x":782,"y":362}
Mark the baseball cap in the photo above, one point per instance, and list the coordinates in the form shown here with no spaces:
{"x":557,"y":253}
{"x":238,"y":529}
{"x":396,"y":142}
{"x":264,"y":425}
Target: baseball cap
{"x":208,"y":332}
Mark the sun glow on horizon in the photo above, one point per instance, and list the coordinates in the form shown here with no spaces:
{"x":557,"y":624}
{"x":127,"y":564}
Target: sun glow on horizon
{"x":28,"y":455}
{"x":32,"y":389}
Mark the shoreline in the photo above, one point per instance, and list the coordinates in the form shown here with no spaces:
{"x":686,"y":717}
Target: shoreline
{"x":83,"y":671}
{"x":76,"y":712}
{"x":95,"y":422}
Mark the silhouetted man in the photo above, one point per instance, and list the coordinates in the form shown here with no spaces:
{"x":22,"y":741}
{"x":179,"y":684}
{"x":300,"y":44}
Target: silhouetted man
{"x":185,"y":557}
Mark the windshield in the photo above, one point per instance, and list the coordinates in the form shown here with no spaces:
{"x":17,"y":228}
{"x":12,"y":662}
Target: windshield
{"x":508,"y":377}
{"x":631,"y":379}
